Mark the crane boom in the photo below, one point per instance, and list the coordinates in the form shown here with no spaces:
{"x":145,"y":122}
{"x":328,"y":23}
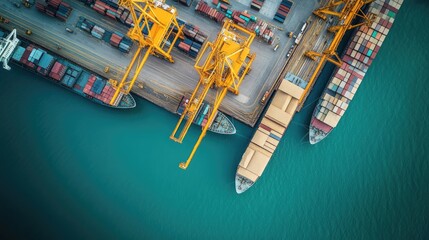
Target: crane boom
{"x":227,"y":63}
{"x":350,"y":10}
{"x":155,"y":26}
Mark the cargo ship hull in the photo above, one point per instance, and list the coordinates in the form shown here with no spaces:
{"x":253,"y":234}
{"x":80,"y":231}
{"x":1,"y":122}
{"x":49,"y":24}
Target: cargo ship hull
{"x":356,"y":59}
{"x":221,"y":124}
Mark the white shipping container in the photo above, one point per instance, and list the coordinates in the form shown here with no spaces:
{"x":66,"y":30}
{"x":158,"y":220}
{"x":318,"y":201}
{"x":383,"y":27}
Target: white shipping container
{"x":336,"y":80}
{"x":324,"y":103}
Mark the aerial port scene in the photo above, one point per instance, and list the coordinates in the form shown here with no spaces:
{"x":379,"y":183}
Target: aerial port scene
{"x":214,"y":119}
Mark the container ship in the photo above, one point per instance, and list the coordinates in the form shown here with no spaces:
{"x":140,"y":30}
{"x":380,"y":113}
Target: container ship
{"x":69,"y":75}
{"x":269,"y":133}
{"x":357,"y":57}
{"x":221,"y":124}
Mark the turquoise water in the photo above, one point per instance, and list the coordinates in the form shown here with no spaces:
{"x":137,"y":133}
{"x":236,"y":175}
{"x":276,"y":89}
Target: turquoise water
{"x":72,"y":169}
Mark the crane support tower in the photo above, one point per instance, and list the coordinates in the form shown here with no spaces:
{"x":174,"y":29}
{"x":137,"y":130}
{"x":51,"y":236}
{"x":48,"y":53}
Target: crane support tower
{"x":7,"y":47}
{"x":155,"y":28}
{"x":228,"y":60}
{"x":349,"y":10}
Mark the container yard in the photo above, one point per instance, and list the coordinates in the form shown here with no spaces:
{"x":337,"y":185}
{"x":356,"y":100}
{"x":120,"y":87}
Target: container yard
{"x":162,"y":82}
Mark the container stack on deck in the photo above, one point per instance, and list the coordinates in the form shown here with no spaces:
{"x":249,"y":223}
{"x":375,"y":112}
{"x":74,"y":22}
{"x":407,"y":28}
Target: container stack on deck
{"x":55,"y":8}
{"x":358,"y":56}
{"x":68,"y":74}
{"x":282,"y":11}
{"x":24,"y":58}
{"x":72,"y":74}
{"x":99,"y":89}
{"x":45,"y":64}
{"x":57,"y":71}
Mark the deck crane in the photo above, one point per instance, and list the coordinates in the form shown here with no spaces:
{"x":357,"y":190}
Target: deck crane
{"x":7,"y":46}
{"x":227,"y":63}
{"x":349,"y":10}
{"x":155,"y":28}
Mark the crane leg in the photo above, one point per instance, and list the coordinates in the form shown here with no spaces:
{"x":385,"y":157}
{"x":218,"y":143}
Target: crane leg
{"x":127,"y":73}
{"x":218,"y":101}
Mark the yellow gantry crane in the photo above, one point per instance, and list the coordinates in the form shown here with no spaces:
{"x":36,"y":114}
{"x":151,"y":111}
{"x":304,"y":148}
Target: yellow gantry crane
{"x":349,"y":10}
{"x":227,"y":63}
{"x":158,"y":20}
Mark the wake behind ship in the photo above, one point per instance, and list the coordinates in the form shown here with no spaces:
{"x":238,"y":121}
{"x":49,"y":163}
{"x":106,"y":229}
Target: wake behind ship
{"x":358,"y":56}
{"x":68,"y":75}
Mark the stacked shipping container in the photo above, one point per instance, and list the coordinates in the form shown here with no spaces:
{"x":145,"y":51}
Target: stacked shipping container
{"x":244,"y":19}
{"x":358,"y":56}
{"x":57,"y":71}
{"x":282,"y":11}
{"x":99,"y":89}
{"x":68,"y":74}
{"x":116,"y":39}
{"x":193,"y":41}
{"x":256,"y":4}
{"x":194,"y":38}
{"x":55,"y":8}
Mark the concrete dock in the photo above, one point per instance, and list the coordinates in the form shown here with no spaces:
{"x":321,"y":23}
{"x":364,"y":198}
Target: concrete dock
{"x":164,"y":83}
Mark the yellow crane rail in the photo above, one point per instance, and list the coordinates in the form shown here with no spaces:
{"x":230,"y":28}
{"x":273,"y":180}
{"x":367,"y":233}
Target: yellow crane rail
{"x":228,"y":60}
{"x":159,"y":21}
{"x":348,"y":12}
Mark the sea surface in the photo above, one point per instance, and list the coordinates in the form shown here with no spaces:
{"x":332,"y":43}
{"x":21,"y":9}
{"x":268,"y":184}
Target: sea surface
{"x":71,"y":169}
